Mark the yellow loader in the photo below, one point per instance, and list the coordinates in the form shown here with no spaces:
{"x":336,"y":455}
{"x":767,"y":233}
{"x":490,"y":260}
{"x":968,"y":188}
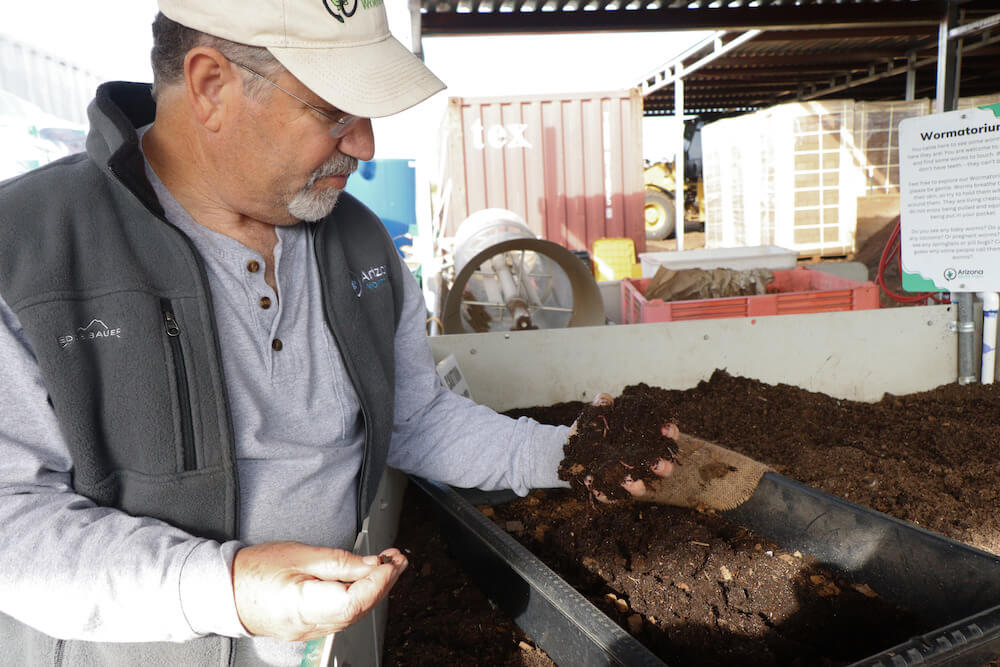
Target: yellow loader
{"x":660,"y":211}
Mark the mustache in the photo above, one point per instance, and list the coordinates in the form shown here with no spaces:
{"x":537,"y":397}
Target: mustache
{"x":339,"y":165}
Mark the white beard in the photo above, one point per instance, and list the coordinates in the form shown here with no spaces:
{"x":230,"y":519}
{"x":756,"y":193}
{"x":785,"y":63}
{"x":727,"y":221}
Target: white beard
{"x":309,"y":204}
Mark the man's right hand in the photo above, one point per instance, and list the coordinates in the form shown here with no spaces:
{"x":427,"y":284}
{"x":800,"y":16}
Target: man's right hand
{"x":298,"y":592}
{"x":662,"y":468}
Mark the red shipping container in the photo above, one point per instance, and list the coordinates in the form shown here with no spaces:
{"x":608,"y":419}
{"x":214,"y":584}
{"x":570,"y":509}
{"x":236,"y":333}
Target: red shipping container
{"x":794,"y":291}
{"x":570,"y":166}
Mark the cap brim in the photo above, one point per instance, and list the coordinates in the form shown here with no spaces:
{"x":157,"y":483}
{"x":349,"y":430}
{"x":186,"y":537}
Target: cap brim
{"x":370,"y":80}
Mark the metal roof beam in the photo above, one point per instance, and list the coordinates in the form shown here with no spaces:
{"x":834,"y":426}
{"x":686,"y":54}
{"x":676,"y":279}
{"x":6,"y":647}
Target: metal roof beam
{"x":721,"y":97}
{"x":852,"y":32}
{"x":861,"y":56}
{"x":453,"y":21}
{"x":775,"y":72}
{"x":695,"y":84}
{"x":677,"y":69}
{"x":727,"y":95}
{"x":846,"y":80}
{"x":975,"y":27}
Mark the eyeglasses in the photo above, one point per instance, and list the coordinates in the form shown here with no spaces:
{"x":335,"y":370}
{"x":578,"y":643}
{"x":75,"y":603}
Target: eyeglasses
{"x":341,"y":124}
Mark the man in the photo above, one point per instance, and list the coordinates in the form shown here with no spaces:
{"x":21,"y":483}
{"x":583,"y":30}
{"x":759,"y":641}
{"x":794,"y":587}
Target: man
{"x":211,"y":354}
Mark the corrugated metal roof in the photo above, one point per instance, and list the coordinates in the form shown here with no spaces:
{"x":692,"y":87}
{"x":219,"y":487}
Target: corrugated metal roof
{"x":784,"y":66}
{"x":805,"y":49}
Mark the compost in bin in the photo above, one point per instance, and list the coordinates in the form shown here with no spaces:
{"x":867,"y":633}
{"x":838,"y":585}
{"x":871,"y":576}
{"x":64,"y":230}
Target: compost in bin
{"x":928,"y":458}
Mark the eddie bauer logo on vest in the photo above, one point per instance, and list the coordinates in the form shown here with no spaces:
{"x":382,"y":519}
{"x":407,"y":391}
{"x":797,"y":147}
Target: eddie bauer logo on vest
{"x":95,"y":331}
{"x":498,"y":135}
{"x":371,"y":279}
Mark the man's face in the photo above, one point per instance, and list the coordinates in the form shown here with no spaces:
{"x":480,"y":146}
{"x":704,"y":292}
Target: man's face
{"x":290,"y":166}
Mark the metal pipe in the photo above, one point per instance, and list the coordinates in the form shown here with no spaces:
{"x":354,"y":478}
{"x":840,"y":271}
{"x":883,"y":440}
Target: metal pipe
{"x":516,"y":305}
{"x":966,"y":339}
{"x":991,"y":300}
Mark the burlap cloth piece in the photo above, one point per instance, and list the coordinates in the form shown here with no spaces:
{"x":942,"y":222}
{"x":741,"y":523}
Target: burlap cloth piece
{"x":686,"y":284}
{"x":706,"y":475}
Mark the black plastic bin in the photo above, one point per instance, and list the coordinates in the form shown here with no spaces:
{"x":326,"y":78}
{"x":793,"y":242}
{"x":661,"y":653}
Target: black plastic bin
{"x":952,"y":587}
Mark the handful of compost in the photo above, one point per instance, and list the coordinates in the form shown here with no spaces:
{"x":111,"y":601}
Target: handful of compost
{"x":617,"y":443}
{"x":628,"y":447}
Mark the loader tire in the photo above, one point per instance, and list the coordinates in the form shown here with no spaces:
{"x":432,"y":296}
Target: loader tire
{"x":660,"y":214}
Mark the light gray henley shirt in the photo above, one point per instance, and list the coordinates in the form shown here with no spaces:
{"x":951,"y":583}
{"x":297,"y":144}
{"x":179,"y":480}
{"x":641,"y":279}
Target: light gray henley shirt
{"x":74,"y":570}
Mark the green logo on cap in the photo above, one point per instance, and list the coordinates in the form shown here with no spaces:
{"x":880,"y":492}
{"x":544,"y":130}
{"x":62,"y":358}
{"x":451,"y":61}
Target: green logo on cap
{"x":341,"y":9}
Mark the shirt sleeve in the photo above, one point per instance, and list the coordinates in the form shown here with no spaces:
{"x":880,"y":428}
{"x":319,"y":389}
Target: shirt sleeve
{"x":442,"y":436}
{"x":75,"y":570}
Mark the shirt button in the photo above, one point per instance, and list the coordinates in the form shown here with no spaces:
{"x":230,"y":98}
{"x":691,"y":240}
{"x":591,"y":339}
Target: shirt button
{"x":253,"y":266}
{"x":265,"y":302}
{"x":276,"y":345}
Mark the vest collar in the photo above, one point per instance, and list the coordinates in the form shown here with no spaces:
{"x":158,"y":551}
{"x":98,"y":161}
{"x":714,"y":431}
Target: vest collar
{"x":115,"y":112}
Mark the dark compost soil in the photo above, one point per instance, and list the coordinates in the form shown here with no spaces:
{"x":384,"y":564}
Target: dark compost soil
{"x":698,"y":590}
{"x":687,"y":583}
{"x":437,"y":616}
{"x":931,"y":458}
{"x":614,"y":440}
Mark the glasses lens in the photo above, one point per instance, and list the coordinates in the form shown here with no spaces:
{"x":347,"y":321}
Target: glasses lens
{"x":343,"y":126}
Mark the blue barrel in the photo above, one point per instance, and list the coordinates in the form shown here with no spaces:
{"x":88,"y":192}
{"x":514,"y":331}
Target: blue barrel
{"x":388,"y":187}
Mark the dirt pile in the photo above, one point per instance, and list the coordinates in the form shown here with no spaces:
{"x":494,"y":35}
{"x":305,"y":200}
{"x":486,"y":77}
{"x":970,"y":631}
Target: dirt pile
{"x":930,"y":458}
{"x":700,"y":591}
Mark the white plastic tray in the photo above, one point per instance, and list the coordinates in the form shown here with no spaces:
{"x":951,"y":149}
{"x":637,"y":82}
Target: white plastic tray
{"x":754,"y":257}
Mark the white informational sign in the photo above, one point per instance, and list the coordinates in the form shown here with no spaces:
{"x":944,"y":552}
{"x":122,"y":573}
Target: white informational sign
{"x":950,"y":201}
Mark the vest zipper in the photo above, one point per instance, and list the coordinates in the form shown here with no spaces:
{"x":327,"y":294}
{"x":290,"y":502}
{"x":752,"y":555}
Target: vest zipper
{"x":180,"y":373}
{"x":57,"y":653}
{"x":154,"y":209}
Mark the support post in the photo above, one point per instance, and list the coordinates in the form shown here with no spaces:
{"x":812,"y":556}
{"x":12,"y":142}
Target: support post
{"x":946,"y":100}
{"x":416,"y":29}
{"x":947,"y":61}
{"x":911,"y":76}
{"x":679,"y":159}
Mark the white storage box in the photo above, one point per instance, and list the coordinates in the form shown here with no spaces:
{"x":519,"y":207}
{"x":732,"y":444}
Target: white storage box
{"x":753,"y":257}
{"x":787,"y":175}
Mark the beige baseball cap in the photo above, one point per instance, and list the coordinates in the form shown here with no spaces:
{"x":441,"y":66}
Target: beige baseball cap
{"x":341,"y":50}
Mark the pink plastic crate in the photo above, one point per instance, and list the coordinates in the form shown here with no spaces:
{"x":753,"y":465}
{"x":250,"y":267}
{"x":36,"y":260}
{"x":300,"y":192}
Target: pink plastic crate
{"x":794,"y":291}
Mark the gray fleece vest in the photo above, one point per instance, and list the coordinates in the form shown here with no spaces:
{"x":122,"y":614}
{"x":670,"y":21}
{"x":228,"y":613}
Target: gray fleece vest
{"x":114,"y":302}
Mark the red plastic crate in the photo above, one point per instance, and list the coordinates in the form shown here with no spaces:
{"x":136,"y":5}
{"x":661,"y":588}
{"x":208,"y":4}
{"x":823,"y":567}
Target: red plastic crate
{"x":794,"y":291}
